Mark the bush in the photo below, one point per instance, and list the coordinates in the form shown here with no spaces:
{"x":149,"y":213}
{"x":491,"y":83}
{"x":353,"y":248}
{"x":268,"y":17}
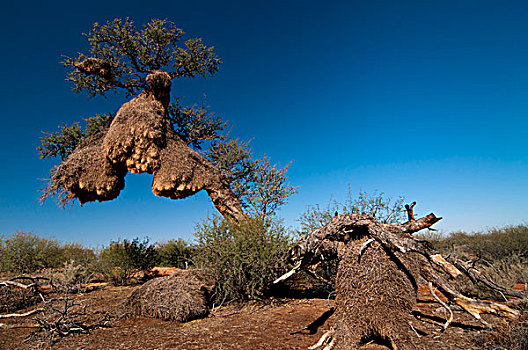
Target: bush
{"x":386,"y":210}
{"x":495,"y":244}
{"x":175,"y":253}
{"x":121,"y":261}
{"x":72,"y":277}
{"x":242,"y":256}
{"x":501,"y":253}
{"x":24,"y":252}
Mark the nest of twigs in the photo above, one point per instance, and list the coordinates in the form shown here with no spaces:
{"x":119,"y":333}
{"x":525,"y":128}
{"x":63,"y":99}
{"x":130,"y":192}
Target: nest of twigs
{"x":182,"y":296}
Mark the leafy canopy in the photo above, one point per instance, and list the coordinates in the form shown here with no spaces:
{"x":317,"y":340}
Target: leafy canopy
{"x":121,"y":56}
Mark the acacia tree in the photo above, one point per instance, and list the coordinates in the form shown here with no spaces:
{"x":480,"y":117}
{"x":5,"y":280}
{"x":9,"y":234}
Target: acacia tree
{"x":185,"y":148}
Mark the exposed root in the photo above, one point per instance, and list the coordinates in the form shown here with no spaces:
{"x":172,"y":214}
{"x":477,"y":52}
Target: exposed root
{"x":29,"y":313}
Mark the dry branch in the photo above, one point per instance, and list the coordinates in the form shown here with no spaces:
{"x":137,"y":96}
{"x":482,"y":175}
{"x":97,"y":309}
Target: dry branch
{"x":29,"y":313}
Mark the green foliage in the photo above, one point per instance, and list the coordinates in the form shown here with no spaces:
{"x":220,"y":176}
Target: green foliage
{"x":241,"y":256}
{"x":175,"y":253}
{"x":386,"y":210}
{"x":261,"y":187}
{"x":122,"y":260}
{"x":495,"y":244}
{"x":122,"y":56}
{"x":24,"y":252}
{"x":195,"y":124}
{"x":62,"y":142}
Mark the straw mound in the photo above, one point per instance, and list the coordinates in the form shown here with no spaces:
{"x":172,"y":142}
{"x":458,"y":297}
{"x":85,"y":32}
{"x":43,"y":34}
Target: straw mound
{"x":13,"y":299}
{"x":88,"y":175}
{"x":182,"y":296}
{"x":374,"y":298}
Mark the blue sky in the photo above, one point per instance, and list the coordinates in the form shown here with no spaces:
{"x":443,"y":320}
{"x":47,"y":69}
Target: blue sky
{"x":428,"y":100}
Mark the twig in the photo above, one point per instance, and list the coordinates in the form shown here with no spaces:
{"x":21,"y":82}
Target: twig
{"x":288,"y":274}
{"x":322,"y":340}
{"x":32,"y":312}
{"x":364,"y":246}
{"x":450,"y":319}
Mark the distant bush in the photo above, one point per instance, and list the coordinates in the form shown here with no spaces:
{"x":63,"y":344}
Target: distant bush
{"x":502,"y":253}
{"x":24,"y":252}
{"x":242,"y":256}
{"x":122,"y":260}
{"x":385,"y":209}
{"x":75,"y":253}
{"x":175,"y":253}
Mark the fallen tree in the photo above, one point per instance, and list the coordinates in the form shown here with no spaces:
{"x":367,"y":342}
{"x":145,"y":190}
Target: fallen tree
{"x":380,"y":268}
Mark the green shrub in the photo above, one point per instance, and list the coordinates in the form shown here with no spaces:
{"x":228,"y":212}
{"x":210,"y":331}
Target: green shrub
{"x":121,"y":261}
{"x":387,"y":210}
{"x":175,"y":253}
{"x":71,"y":276}
{"x":24,"y":252}
{"x":495,"y":244}
{"x":242,"y":256}
{"x":75,"y":253}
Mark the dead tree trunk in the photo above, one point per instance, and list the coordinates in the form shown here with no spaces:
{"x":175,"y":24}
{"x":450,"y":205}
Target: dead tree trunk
{"x":379,"y":269}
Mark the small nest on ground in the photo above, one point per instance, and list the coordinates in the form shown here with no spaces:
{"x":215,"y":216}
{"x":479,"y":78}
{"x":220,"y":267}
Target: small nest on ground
{"x":182,"y":296}
{"x":13,"y":298}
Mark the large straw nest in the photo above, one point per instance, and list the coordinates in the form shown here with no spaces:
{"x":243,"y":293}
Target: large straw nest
{"x":140,"y":139}
{"x":13,"y":298}
{"x":183,"y":172}
{"x":374,"y":297}
{"x":87,"y":174}
{"x":137,"y":134}
{"x":182,"y":296}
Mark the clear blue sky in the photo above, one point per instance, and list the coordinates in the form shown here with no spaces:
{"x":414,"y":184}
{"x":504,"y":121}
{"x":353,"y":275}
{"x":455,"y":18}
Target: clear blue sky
{"x":425,"y":99}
